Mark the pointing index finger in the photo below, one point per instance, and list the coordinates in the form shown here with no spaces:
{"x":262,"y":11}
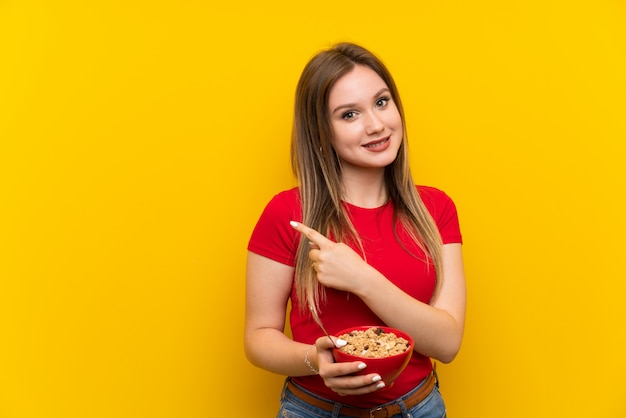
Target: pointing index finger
{"x":313,"y":236}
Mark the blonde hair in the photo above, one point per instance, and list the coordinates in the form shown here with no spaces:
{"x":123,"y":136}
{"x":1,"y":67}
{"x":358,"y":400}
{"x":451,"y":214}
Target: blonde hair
{"x":318,"y":171}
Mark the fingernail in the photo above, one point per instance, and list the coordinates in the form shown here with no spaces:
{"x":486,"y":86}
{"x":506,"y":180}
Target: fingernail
{"x":361,"y":366}
{"x":293,"y":223}
{"x":339,"y":342}
{"x":376,"y":379}
{"x":380,"y":385}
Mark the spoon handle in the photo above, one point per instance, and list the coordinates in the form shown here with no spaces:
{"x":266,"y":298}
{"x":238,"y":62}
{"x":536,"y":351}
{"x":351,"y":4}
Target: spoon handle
{"x":319,"y":322}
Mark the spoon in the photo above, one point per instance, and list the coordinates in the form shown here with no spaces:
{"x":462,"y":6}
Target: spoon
{"x":319,"y":322}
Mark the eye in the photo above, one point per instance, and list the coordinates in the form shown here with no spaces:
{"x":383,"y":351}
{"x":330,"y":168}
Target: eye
{"x":382,"y":102}
{"x":348,"y":115}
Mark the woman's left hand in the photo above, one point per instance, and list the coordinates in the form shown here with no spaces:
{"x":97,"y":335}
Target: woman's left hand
{"x":336,"y":264}
{"x":339,"y":376}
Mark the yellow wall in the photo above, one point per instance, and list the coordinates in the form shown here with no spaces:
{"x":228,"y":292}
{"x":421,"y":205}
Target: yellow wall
{"x":140,"y":140}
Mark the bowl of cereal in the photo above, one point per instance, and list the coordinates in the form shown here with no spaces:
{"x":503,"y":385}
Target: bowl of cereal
{"x":385,"y":350}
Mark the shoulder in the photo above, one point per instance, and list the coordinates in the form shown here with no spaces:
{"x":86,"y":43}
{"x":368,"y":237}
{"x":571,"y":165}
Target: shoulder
{"x":287,"y":200}
{"x":444,"y":213}
{"x":289,"y":196}
{"x":283,"y":205}
{"x":272,"y":236}
{"x":433,"y":196}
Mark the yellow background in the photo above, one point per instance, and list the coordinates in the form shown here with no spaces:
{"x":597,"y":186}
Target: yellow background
{"x":139,"y":142}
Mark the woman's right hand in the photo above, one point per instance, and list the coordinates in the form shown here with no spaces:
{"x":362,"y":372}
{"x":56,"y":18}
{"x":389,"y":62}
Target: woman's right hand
{"x":338,"y":376}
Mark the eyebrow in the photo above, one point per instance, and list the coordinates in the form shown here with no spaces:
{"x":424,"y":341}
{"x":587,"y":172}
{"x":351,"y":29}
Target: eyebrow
{"x":349,"y":105}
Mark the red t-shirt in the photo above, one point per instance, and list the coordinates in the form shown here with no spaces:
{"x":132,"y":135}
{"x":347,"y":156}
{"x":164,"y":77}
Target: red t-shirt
{"x":274,"y":238}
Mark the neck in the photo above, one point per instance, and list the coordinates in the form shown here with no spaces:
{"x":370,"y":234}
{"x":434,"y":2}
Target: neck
{"x":365,"y":191}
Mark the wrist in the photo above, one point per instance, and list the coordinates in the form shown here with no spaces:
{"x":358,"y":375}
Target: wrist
{"x":368,"y":284}
{"x":307,"y":361}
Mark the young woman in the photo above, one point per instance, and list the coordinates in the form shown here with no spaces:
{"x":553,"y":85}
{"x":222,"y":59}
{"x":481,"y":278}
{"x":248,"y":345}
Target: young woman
{"x":357,"y":243}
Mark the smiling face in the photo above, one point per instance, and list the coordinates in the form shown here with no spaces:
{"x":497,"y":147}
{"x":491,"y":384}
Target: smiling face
{"x":366,"y":124}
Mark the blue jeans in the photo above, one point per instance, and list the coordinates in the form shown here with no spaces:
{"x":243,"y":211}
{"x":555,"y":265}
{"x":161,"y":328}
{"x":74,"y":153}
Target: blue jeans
{"x":431,"y":407}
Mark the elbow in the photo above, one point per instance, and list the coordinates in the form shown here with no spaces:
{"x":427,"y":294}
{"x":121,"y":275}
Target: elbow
{"x":449,"y":352}
{"x":446,"y":357}
{"x":250,"y":353}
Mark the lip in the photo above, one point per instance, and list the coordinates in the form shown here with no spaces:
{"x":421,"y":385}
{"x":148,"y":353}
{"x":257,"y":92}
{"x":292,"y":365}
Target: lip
{"x":378,"y":145}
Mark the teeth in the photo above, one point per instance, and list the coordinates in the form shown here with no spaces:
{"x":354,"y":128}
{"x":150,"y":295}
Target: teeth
{"x":375,"y":144}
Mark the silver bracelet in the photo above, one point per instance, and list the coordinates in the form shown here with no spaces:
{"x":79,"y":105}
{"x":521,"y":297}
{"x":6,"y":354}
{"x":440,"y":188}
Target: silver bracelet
{"x":308,"y":362}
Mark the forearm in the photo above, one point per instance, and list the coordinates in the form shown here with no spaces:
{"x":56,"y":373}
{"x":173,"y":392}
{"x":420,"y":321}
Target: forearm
{"x":437,"y":333}
{"x":437,"y":328}
{"x":272,"y":350}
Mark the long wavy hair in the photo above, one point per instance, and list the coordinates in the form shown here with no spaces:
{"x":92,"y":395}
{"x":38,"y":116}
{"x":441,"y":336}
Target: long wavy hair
{"x":318,"y":170}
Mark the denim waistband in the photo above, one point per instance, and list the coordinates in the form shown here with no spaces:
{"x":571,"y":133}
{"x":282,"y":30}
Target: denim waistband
{"x":397,"y":406}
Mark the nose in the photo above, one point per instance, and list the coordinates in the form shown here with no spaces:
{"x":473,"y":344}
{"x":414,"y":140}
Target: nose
{"x":374,"y":124}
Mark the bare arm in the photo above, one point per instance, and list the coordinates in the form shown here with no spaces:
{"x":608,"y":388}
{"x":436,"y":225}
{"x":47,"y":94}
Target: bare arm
{"x":268,"y":285}
{"x":437,"y":328}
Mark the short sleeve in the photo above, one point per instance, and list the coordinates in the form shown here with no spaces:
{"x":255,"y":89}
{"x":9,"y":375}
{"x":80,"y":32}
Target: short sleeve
{"x":443,"y":210}
{"x":273,"y":237}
